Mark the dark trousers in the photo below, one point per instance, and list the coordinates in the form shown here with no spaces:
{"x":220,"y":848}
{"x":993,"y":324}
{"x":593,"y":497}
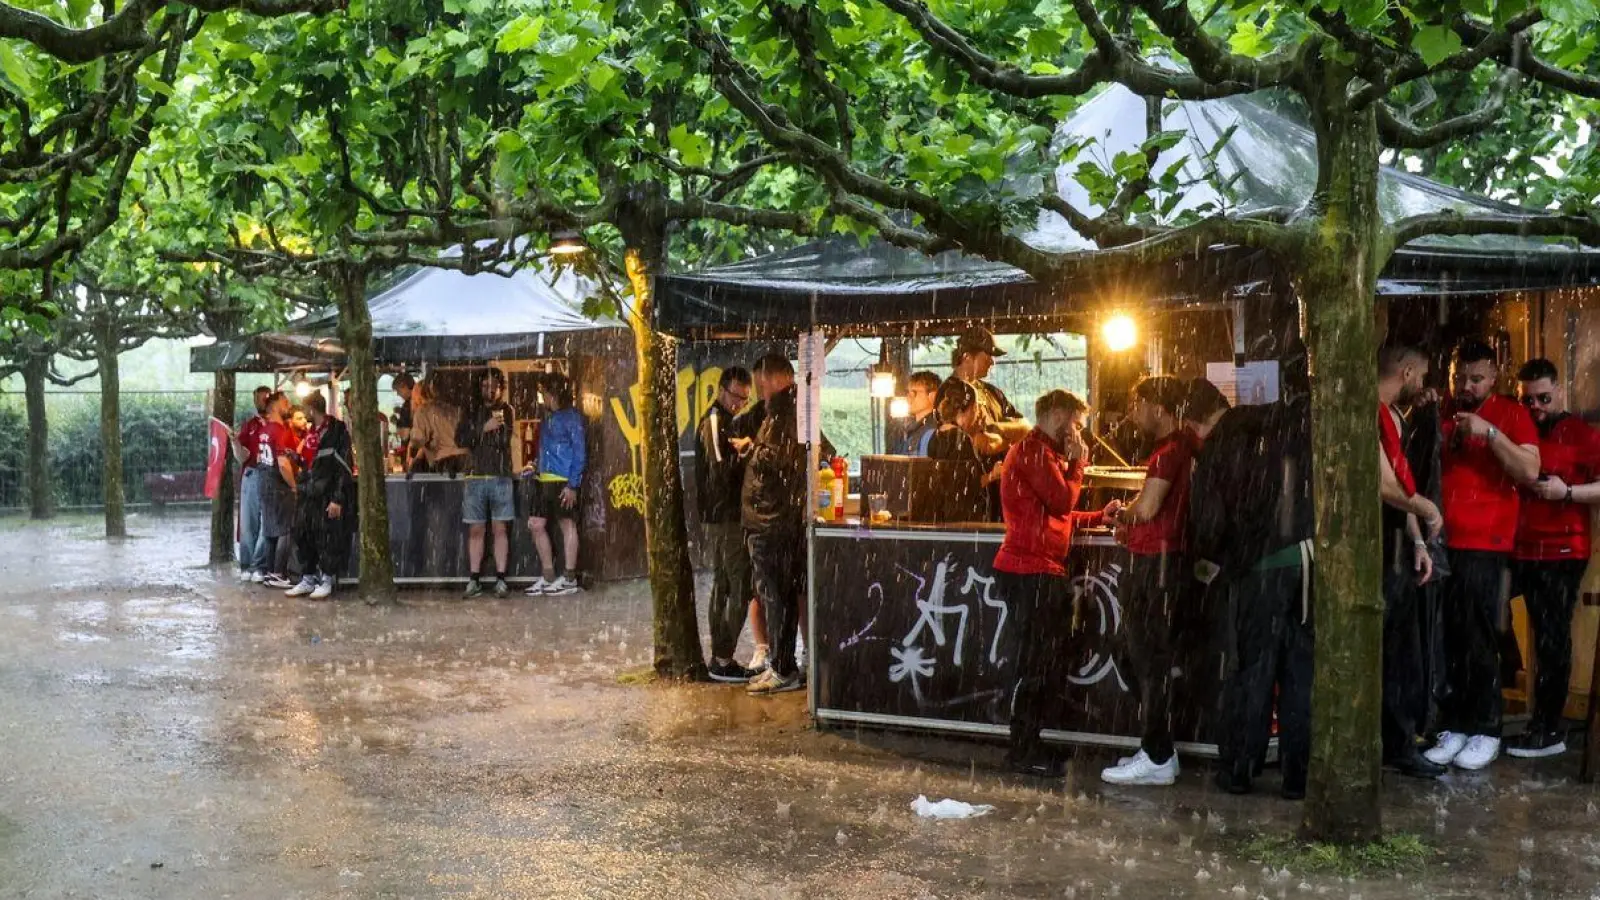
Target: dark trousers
{"x":1551,"y":591}
{"x":1038,"y":604}
{"x":778,"y":570}
{"x":1474,"y":607}
{"x":323,"y":544}
{"x":1151,"y":593}
{"x":1405,"y":688}
{"x":730,"y":585}
{"x":1272,"y":645}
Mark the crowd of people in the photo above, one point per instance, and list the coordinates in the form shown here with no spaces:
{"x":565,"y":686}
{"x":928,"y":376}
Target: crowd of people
{"x":1479,"y":492}
{"x":298,"y":480}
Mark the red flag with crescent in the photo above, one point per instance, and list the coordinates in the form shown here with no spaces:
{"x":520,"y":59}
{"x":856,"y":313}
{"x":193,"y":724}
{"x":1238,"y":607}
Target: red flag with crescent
{"x":217,"y":456}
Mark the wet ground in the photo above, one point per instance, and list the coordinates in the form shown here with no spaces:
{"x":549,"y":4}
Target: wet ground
{"x":166,"y":733}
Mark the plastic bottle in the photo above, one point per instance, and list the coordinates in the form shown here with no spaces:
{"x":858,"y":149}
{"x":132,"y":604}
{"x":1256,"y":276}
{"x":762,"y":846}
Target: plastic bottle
{"x":824,"y":498}
{"x":841,"y":487}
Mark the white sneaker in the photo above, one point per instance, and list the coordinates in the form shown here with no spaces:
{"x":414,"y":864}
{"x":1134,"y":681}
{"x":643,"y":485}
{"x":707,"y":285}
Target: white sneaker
{"x":243,"y":575}
{"x":307,"y":585}
{"x":1446,"y":748}
{"x":257,"y":577}
{"x":563,"y":586}
{"x":539,"y":588}
{"x":324,"y":588}
{"x":1141,"y":771}
{"x":1481,"y":750}
{"x":761,"y":661}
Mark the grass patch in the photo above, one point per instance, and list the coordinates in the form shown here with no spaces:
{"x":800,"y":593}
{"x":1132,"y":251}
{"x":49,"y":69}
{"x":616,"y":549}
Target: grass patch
{"x":640,"y":676}
{"x":1394,"y":853}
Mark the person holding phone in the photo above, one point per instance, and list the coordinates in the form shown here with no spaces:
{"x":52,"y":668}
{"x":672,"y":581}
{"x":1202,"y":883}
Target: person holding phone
{"x":562,"y":459}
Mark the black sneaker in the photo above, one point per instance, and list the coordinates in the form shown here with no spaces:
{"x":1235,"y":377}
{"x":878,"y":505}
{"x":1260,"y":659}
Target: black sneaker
{"x":1415,"y":765}
{"x":730,"y":673}
{"x":1538,"y":743}
{"x":474,"y":590}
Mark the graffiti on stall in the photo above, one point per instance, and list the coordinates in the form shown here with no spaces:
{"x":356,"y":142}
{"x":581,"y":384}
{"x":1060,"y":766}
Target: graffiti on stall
{"x":696,"y":391}
{"x":1100,"y":591}
{"x":914,"y":660}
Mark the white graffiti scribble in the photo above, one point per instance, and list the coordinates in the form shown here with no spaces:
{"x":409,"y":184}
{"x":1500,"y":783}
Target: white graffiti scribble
{"x":862,"y":636}
{"x":1101,"y":590}
{"x":933,"y":610}
{"x":991,"y":601}
{"x":910,"y":663}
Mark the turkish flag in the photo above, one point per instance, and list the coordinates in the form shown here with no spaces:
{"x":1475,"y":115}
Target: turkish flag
{"x":217,"y":460}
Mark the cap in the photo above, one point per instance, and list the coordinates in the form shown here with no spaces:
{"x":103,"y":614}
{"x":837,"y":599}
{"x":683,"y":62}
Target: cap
{"x":978,"y":340}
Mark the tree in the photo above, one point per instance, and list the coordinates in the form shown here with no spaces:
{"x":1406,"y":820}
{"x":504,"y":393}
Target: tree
{"x":30,"y":350}
{"x":975,"y":90}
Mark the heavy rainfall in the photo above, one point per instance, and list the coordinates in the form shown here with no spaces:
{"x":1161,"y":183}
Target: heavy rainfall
{"x":721,"y":448}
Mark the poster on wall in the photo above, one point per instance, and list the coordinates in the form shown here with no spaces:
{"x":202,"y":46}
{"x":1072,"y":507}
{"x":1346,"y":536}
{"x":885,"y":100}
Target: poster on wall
{"x":1251,"y":384}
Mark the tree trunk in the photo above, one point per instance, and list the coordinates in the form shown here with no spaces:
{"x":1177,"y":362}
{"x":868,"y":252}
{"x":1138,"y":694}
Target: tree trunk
{"x":1335,"y":278}
{"x":372,"y":501}
{"x":111,"y":435}
{"x":222,"y":528}
{"x":677,"y":630}
{"x":41,"y":493}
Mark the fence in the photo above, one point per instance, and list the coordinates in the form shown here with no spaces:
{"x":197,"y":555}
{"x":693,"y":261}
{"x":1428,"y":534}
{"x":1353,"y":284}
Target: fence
{"x":163,"y":432}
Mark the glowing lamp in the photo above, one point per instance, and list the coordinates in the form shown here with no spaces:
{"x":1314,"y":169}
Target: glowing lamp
{"x":882,"y":383}
{"x":567,"y":243}
{"x":303,"y":389}
{"x":1120,"y":333}
{"x":900,"y":408}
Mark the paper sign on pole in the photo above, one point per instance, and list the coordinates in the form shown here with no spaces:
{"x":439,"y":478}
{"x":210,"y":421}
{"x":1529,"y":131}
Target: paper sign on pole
{"x":813,"y":369}
{"x":1251,"y":384}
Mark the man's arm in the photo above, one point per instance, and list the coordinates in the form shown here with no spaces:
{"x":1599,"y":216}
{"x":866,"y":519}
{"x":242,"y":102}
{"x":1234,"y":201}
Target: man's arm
{"x":1147,"y":505}
{"x":1013,"y":430}
{"x":1520,"y":461}
{"x":580,"y":454}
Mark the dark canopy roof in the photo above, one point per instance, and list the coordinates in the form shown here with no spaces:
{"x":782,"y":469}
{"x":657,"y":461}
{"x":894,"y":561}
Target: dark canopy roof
{"x":433,"y":315}
{"x":1267,"y":161}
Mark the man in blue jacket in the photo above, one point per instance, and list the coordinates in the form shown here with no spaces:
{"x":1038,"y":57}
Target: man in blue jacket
{"x":562,"y":457}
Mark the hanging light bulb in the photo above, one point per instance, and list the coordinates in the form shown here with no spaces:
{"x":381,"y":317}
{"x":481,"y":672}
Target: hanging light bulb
{"x":567,"y":243}
{"x":900,"y":408}
{"x":882,"y":382}
{"x":1120,"y":333}
{"x":303,"y":389}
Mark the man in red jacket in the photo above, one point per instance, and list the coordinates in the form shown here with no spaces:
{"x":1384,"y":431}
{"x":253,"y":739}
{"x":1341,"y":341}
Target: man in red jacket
{"x":1552,"y":549}
{"x":1490,"y":447}
{"x":1038,"y":493}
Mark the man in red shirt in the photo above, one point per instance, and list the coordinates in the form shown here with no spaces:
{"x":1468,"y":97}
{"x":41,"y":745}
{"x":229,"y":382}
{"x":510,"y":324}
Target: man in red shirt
{"x":1552,"y":549}
{"x":1407,"y":517}
{"x":1490,"y":447}
{"x":275,"y":469}
{"x":252,"y":565}
{"x":1155,"y":583}
{"x":1038,"y":494}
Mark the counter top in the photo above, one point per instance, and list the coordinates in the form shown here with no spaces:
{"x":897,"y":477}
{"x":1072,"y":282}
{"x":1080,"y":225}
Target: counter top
{"x":989,"y":532}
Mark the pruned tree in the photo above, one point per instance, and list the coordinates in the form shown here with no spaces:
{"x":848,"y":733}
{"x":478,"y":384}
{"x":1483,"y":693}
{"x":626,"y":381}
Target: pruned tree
{"x":977,"y":89}
{"x":31,"y":350}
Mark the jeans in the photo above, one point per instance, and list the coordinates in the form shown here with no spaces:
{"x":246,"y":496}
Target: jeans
{"x":1551,"y":592}
{"x":252,"y":544}
{"x":1272,"y":650}
{"x":730,"y":586}
{"x":778,"y":568}
{"x":1475,"y":604}
{"x":1039,"y":697}
{"x":1151,"y":593}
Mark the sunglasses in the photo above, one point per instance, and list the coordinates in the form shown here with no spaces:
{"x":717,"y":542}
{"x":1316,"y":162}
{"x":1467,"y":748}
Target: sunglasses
{"x":1544,"y":399}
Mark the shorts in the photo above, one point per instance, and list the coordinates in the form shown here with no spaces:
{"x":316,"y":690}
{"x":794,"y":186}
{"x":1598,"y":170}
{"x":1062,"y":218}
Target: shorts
{"x":546,"y":497}
{"x":485,"y":499}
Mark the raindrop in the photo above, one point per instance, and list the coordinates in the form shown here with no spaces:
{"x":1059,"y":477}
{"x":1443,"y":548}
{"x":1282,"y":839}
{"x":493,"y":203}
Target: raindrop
{"x":840,"y":838}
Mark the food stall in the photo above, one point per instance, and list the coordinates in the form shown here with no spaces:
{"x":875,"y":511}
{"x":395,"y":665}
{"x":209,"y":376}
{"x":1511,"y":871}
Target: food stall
{"x":905,"y":629}
{"x":450,"y":327}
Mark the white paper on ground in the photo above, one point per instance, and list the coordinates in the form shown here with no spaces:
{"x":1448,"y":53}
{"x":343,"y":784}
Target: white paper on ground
{"x":948,"y":809}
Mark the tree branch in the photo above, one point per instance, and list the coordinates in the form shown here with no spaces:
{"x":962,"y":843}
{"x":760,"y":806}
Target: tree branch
{"x":125,"y":30}
{"x":1586,"y":230}
{"x":1398,"y":131}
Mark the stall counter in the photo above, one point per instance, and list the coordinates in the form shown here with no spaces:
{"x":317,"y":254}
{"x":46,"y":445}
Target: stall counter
{"x":907,"y":631}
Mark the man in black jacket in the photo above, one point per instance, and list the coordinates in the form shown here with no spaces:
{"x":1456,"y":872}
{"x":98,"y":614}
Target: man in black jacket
{"x":719,"y":479}
{"x":487,"y":502}
{"x":1251,"y":524}
{"x":772,"y":509}
{"x":327,"y":489}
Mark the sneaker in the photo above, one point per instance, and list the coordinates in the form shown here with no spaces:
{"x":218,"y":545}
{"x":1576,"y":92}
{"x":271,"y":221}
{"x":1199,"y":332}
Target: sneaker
{"x":1480,"y":751}
{"x":243,"y":575}
{"x":1538,"y":743}
{"x":730,"y":672}
{"x":539,"y":588}
{"x":770,"y":682}
{"x":1446,"y":748}
{"x":562,"y":587}
{"x":501,"y":589}
{"x":257,"y":578}
{"x":277,"y":582}
{"x":761,"y":661}
{"x":306,"y":586}
{"x":324,"y":588}
{"x":1142,"y":771}
{"x":474,"y":589}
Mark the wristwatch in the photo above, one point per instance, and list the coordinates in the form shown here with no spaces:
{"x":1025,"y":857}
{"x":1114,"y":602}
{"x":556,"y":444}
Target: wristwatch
{"x":1569,"y":494}
{"x":1493,"y":433}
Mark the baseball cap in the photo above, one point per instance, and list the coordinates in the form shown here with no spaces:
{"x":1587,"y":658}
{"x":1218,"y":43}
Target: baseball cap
{"x":978,"y":340}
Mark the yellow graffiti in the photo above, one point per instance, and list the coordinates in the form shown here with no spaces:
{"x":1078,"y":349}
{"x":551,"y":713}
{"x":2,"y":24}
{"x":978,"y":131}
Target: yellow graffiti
{"x":696,"y":391}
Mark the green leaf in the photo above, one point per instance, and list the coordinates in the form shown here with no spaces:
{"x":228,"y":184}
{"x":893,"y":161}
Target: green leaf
{"x":1163,"y":140}
{"x":1571,"y":13}
{"x":600,"y":76}
{"x":1435,"y":42}
{"x":693,"y":149}
{"x":519,"y":34}
{"x":16,"y":68}
{"x":509,"y":142}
